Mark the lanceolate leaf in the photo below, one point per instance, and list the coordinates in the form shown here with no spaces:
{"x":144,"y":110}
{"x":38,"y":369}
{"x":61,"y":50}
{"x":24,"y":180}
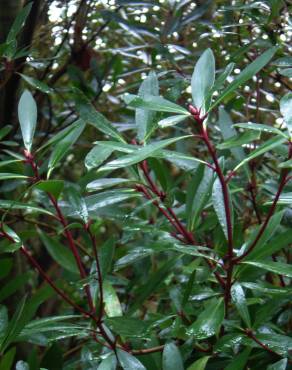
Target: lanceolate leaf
{"x":59,"y":252}
{"x":203,"y":79}
{"x":199,"y":364}
{"x":141,"y":154}
{"x":286,"y":110}
{"x":171,"y":358}
{"x":209,"y":321}
{"x":27,"y":115}
{"x":89,"y":114}
{"x":97,"y":156}
{"x":279,"y":365}
{"x":78,"y":204}
{"x":267,"y":146}
{"x":144,"y":117}
{"x":129,"y":362}
{"x":171,"y":121}
{"x":250,"y":71}
{"x":276,"y":267}
{"x":63,"y":146}
{"x":156,"y":103}
{"x":18,"y":23}
{"x":37,"y":84}
{"x":238,"y":298}
{"x":260,"y":127}
{"x":220,"y":207}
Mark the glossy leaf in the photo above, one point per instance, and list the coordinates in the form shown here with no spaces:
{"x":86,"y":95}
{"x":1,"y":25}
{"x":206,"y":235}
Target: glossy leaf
{"x":129,"y":362}
{"x":89,"y":114}
{"x":59,"y":252}
{"x":219,"y":206}
{"x":108,"y":363}
{"x":276,"y":267}
{"x":145,"y":118}
{"x":286,"y":110}
{"x":267,"y":146}
{"x":171,"y":358}
{"x":238,"y":298}
{"x":18,"y":23}
{"x":54,"y":187}
{"x":141,"y":154}
{"x":209,"y":321}
{"x":251,"y":70}
{"x":199,"y":364}
{"x":155,"y":103}
{"x":78,"y":205}
{"x":63,"y":146}
{"x":39,"y":85}
{"x":97,"y":156}
{"x":112,"y":305}
{"x":260,"y":127}
{"x":203,"y":79}
{"x":170,"y":121}
{"x":279,"y":365}
{"x":105,"y":183}
{"x":240,"y":360}
{"x":27,"y":115}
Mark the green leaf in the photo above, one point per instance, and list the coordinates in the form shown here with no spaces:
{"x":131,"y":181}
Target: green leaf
{"x":198,"y":194}
{"x":287,"y":72}
{"x":30,"y":208}
{"x":107,"y":198}
{"x":276,"y":267}
{"x":171,"y":121}
{"x":5,"y":131}
{"x":27,"y":115}
{"x":155,"y":103}
{"x":106,"y":254}
{"x":129,"y":362}
{"x":7,"y":359}
{"x":78,"y":204}
{"x":240,"y":360}
{"x":250,"y":71}
{"x":63,"y":146}
{"x":39,"y":85}
{"x":267,"y":146}
{"x":3,"y":320}
{"x":223,"y":77}
{"x":219,"y":206}
{"x":15,"y":325}
{"x":112,"y":305}
{"x":203,"y":79}
{"x":171,"y":358}
{"x":18,"y":22}
{"x":286,"y":110}
{"x":279,"y":365}
{"x":9,"y":176}
{"x":239,"y":140}
{"x":105,"y":183}
{"x":145,"y":118}
{"x":54,"y":187}
{"x":89,"y":114}
{"x":141,"y":154}
{"x":109,"y":363}
{"x":154,"y":282}
{"x":59,"y":253}
{"x":128,"y":326}
{"x":13,"y":285}
{"x":260,"y":127}
{"x":97,"y":156}
{"x":209,"y":321}
{"x":238,"y":298}
{"x":199,"y":364}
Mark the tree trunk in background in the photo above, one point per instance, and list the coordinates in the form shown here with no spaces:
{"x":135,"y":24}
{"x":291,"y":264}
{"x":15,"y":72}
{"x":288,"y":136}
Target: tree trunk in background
{"x":8,"y":93}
